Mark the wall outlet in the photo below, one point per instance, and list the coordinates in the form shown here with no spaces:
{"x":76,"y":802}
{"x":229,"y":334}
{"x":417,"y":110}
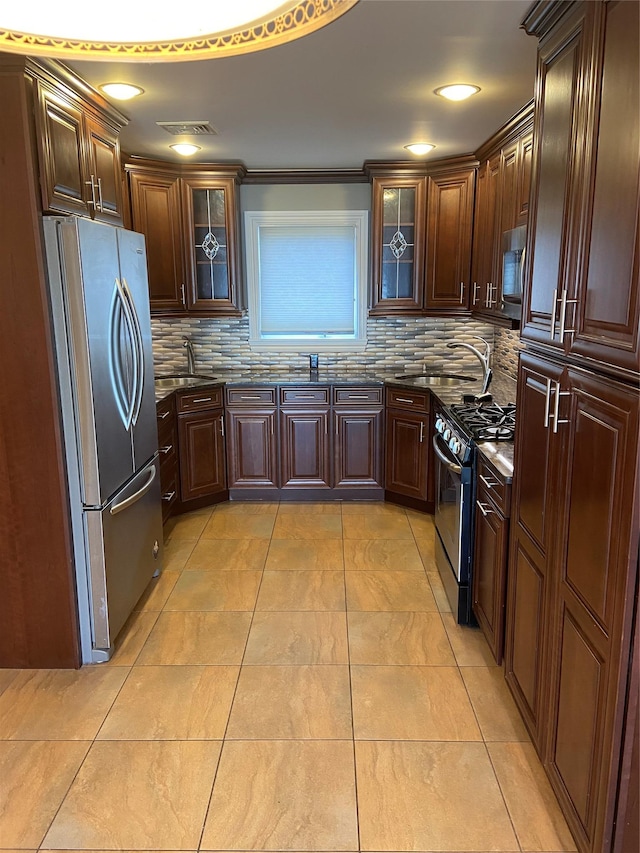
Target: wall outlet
{"x":313,"y":362}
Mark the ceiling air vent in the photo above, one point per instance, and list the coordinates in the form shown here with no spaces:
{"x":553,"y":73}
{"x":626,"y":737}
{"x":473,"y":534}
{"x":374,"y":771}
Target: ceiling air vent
{"x":191,"y":128}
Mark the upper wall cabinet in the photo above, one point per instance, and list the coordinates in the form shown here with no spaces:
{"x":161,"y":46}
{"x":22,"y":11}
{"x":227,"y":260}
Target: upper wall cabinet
{"x":583,"y":297}
{"x":78,"y":149}
{"x":421,"y":236}
{"x":189,"y":216}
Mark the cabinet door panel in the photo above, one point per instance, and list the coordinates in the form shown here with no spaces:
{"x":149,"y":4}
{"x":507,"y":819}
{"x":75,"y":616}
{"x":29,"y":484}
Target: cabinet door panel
{"x":525,"y":153}
{"x":61,"y":139}
{"x":305,"y":449}
{"x":407,"y":454}
{"x":155,"y":203}
{"x":490,"y":572}
{"x":202,"y":468}
{"x":608,"y":309}
{"x":358,"y":449}
{"x":251,"y":449}
{"x":449,"y":219}
{"x":104,"y":165}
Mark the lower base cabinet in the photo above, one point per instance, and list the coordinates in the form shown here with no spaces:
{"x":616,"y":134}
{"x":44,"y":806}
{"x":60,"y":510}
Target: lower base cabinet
{"x":252,"y":451}
{"x":408,"y":438}
{"x":358,"y":444}
{"x":305,"y":459}
{"x":168,"y":450}
{"x":201,"y":448}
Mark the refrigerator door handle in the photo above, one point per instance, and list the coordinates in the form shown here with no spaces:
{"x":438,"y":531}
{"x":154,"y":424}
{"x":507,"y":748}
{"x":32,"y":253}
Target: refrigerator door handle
{"x":125,"y":396}
{"x":135,"y":497}
{"x":139,"y":352}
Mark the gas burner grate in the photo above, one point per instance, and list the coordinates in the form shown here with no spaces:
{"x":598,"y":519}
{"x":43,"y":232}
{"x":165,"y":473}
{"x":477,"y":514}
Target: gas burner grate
{"x":487,"y":422}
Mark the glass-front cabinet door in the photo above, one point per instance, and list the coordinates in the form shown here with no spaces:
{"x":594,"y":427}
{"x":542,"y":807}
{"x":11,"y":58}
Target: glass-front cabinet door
{"x":210,"y":221}
{"x":398,"y":229}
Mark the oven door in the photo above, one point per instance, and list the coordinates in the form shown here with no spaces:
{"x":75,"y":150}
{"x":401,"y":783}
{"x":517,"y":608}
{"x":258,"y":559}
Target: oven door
{"x":448,"y":503}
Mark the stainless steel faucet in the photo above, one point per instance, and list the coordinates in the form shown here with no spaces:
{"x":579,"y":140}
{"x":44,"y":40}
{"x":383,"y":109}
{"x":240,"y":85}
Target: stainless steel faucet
{"x":191,"y":358}
{"x":484,"y":358}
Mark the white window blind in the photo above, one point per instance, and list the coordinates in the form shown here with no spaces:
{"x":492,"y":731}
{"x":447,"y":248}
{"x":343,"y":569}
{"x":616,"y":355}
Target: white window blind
{"x":306,"y":274}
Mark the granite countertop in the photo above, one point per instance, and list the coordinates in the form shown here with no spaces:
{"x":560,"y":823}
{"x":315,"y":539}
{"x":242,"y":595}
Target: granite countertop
{"x":502,"y":389}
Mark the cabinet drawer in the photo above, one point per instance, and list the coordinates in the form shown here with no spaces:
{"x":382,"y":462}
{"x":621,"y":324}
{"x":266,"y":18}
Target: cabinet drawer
{"x":416,"y":401}
{"x":168,"y":448}
{"x":357,"y":396}
{"x":164,"y":412}
{"x":251,"y":396}
{"x":304,"y":396}
{"x":205,"y":398}
{"x":168,"y":487}
{"x":493,"y":485}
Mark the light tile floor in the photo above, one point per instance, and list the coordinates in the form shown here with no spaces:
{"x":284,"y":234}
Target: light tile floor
{"x":293,"y":681}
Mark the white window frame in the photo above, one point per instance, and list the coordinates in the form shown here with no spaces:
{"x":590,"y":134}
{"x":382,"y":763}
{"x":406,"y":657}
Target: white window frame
{"x":253,"y":221}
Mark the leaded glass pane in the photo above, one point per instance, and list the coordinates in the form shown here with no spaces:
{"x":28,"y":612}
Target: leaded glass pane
{"x":407,"y":205}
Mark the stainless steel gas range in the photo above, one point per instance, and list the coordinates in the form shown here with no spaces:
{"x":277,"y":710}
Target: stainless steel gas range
{"x":457,"y":429}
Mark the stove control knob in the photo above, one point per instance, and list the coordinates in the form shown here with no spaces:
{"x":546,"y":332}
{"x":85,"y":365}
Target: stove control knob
{"x":455,"y":445}
{"x":439,"y":425}
{"x":446,"y":434}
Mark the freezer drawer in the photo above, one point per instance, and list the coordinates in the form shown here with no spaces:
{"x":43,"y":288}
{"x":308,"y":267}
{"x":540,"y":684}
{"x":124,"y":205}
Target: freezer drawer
{"x":125,"y":546}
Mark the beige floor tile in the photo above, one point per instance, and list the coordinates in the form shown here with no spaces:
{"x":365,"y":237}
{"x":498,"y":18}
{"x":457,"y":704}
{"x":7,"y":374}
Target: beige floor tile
{"x":245,"y":526}
{"x":301,"y":591}
{"x":422,"y":524}
{"x":172,"y":703}
{"x":297,"y":638}
{"x":176,"y":554}
{"x":374,"y":509}
{"x":310,"y":507}
{"x":187,"y":526}
{"x":495,"y":709}
{"x":308,"y":526}
{"x":392,"y":526}
{"x":389,"y":591}
{"x":197,"y":639}
{"x":534,"y":810}
{"x":132,"y":638}
{"x":468,"y":644}
{"x":281,"y":702}
{"x":427,"y":549}
{"x":138,"y":795}
{"x":381,"y":555}
{"x":44,"y":704}
{"x":159,"y":589}
{"x":430,"y":796}
{"x":228,"y":555}
{"x":405,"y":639}
{"x":246,"y":508}
{"x":292,"y":554}
{"x":6,"y":677}
{"x":215,"y":591}
{"x":283,"y":795}
{"x":411,"y":703}
{"x":437,"y":588}
{"x":35,"y":778}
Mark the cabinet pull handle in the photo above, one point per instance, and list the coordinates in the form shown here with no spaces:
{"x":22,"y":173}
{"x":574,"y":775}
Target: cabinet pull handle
{"x":421,"y":432}
{"x":563,"y":314}
{"x":202,"y":400}
{"x":404,"y":400}
{"x":485,"y":512}
{"x":490,"y":484}
{"x":556,"y":406}
{"x":547,"y":404}
{"x":326,"y":425}
{"x":167,"y":449}
{"x":168,"y":496}
{"x":250,"y":397}
{"x":358,"y":397}
{"x":461,"y":292}
{"x":184,"y":300}
{"x":222,"y":425}
{"x":304,"y":396}
{"x":554,"y":305}
{"x":474,"y":298}
{"x":163,"y":416}
{"x":100,"y":195}
{"x":93,"y":192}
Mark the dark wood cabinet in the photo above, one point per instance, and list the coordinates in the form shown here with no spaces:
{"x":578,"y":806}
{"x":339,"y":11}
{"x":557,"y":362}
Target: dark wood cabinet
{"x":252,"y":445}
{"x":155,"y":210}
{"x":189,"y":217}
{"x":358,"y":429}
{"x":201,"y":443}
{"x":407,"y":446}
{"x":493,"y":505}
{"x":305,"y":458}
{"x":449,"y":221}
{"x":79,"y":153}
{"x":168,"y":450}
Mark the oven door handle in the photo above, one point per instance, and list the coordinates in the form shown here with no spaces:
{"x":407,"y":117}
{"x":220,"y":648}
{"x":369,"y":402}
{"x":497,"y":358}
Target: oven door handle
{"x":447,"y":462}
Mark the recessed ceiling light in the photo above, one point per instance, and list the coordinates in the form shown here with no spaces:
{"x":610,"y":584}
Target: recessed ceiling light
{"x":420,"y":148}
{"x":185,"y":148}
{"x":457,"y":92}
{"x":121,"y":91}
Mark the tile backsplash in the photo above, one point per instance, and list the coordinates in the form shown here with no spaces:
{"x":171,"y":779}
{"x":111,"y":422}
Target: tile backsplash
{"x":507,"y":347}
{"x":393,"y":345}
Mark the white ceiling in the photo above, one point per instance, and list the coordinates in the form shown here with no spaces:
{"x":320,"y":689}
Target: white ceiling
{"x":357,"y":90}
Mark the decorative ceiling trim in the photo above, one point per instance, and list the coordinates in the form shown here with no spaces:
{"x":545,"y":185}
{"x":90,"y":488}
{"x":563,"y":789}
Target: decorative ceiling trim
{"x":304,"y":18}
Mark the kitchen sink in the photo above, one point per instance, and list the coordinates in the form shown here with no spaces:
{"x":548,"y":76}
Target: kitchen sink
{"x":436,"y":378}
{"x":180,"y":380}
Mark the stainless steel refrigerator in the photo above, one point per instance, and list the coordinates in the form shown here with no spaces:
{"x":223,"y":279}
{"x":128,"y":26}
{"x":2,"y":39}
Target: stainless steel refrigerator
{"x":100,"y":314}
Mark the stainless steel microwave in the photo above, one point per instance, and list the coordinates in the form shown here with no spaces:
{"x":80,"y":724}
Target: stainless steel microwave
{"x":513,"y":251}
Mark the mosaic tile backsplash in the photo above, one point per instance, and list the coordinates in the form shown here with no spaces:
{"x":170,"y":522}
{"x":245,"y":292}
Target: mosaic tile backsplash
{"x":506,"y":349}
{"x":395,"y":344}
